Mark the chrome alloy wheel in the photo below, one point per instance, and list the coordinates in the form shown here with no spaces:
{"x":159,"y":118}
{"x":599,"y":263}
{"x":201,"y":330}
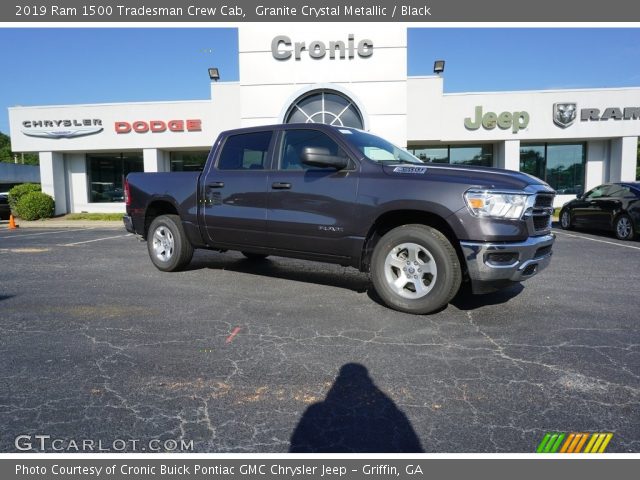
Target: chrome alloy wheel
{"x":565,"y":221}
{"x":623,"y":227}
{"x":163,"y":243}
{"x":410,"y":270}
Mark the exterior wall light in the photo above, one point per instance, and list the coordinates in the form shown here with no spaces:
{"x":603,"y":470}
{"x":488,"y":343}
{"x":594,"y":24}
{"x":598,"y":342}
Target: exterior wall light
{"x":214,"y":74}
{"x":438,"y":66}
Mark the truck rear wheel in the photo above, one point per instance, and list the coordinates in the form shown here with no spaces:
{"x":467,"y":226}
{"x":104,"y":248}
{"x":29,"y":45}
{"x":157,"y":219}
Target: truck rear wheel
{"x":169,"y":247}
{"x":415,"y":269}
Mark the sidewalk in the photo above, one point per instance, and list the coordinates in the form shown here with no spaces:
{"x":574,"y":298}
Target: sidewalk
{"x":64,"y":223}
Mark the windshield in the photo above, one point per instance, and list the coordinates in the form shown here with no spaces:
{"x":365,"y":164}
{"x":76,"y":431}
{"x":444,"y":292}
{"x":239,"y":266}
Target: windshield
{"x":378,"y":149}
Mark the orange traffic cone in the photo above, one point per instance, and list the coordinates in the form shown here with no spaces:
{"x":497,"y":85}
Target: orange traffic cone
{"x":12,"y":223}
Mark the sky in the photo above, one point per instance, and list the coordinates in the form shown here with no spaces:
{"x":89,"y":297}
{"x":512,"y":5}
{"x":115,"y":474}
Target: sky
{"x":101,"y":65}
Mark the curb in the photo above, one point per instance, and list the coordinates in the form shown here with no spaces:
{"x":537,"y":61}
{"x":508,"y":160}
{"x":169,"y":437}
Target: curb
{"x":110,"y":224}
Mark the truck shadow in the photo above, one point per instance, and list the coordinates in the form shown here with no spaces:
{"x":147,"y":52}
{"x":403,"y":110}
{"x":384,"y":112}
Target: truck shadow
{"x":333,"y":276}
{"x":355,"y":416}
{"x":466,"y":300}
{"x":284,"y":268}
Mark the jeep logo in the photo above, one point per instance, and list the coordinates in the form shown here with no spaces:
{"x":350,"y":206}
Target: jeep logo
{"x":515,"y":121}
{"x":282,"y":48}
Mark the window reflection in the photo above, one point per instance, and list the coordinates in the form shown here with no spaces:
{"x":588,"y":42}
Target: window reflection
{"x":481,"y":155}
{"x":432,"y":155}
{"x":188,"y":161}
{"x":560,"y":165}
{"x":107,"y":172}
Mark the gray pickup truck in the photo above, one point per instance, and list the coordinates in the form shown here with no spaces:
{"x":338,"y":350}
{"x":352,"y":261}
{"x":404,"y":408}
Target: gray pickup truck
{"x":348,"y":197}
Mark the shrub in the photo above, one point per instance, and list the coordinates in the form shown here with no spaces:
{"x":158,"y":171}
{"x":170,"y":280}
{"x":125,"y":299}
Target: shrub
{"x":35,"y":205}
{"x":19,"y":191}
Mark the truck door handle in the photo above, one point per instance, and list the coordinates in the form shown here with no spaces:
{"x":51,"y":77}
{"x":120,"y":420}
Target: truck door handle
{"x":215,"y":185}
{"x":281,"y":185}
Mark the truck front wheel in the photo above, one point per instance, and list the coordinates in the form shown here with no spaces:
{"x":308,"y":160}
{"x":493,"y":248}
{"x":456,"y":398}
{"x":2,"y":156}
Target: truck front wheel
{"x":415,"y":269}
{"x":169,"y":247}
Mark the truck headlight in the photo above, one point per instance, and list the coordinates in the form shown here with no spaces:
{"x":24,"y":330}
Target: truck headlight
{"x":488,"y":203}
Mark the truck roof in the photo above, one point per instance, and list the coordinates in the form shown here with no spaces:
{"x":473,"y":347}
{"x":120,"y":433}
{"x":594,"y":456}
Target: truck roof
{"x":283,"y":126}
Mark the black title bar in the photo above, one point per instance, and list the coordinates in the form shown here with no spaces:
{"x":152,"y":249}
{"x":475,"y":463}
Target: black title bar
{"x":73,"y":11}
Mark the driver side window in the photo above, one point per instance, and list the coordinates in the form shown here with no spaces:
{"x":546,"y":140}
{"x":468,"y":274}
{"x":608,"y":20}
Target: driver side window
{"x":596,"y":193}
{"x":294,"y":141}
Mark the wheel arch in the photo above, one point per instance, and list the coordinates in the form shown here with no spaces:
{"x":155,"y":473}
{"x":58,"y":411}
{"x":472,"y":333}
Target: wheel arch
{"x":624,"y":213}
{"x":157,"y":207}
{"x":396,"y":218}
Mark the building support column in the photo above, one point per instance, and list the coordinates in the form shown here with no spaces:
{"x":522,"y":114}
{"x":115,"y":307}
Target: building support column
{"x":596,"y":165}
{"x":624,"y":154}
{"x":52,"y":179}
{"x":508,"y":155}
{"x":155,"y":160}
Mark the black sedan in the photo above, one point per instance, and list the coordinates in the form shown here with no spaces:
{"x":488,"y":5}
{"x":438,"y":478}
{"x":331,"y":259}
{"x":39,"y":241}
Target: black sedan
{"x":612,"y":206}
{"x":4,"y":207}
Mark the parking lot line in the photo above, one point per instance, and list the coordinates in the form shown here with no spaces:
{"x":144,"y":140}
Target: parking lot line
{"x":597,"y":240}
{"x":44,"y":233}
{"x":94,"y":240}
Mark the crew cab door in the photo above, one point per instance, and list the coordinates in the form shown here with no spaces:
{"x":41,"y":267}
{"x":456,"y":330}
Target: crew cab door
{"x":234,"y":190}
{"x":310,"y":209}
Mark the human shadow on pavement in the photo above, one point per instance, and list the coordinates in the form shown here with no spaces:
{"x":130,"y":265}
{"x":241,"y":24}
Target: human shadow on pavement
{"x":355,"y":416}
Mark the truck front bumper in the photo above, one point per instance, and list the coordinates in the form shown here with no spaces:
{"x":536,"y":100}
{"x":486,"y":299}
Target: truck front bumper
{"x":492,"y":266}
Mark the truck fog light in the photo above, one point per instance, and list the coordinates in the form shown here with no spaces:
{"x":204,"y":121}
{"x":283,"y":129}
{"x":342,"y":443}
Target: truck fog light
{"x":501,"y":258}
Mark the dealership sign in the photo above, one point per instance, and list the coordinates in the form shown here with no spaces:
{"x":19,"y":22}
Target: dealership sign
{"x":515,"y":121}
{"x":66,"y":128}
{"x":159,"y":126}
{"x":564,"y":114}
{"x":283,"y":48}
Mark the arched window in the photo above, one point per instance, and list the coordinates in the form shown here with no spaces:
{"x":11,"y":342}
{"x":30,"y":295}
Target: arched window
{"x":325,"y":106}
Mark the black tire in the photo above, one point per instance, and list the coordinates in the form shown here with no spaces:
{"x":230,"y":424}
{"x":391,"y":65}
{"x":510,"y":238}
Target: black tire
{"x":623,"y":227}
{"x":566,"y":222}
{"x":254,"y":256}
{"x":440,"y":284}
{"x":178,"y":250}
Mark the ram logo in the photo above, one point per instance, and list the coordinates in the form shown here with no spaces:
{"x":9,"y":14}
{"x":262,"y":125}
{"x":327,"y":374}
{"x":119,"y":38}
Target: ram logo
{"x":564,"y":114}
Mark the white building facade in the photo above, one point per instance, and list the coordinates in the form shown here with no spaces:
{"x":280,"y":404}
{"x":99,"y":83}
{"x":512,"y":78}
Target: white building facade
{"x":352,"y":75}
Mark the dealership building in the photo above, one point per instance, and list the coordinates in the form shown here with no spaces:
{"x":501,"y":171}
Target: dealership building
{"x":346,"y":75}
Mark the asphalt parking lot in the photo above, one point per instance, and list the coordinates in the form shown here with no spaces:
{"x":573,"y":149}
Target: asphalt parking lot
{"x":286,"y":355}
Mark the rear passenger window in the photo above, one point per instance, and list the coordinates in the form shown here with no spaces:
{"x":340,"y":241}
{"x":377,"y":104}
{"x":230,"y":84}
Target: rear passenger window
{"x":247,"y":151}
{"x":619,"y":191}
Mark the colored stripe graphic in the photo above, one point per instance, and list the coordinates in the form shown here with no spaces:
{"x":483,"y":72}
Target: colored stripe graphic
{"x":567,"y":443}
{"x":543,"y":443}
{"x":592,"y":440}
{"x":559,"y":442}
{"x":582,"y":441}
{"x":606,"y":441}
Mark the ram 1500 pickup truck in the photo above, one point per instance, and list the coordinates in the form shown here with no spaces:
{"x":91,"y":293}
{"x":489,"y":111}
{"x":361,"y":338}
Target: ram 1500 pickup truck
{"x":345,"y":196}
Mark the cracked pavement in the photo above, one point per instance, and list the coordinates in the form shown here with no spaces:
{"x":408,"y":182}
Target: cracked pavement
{"x":97,"y":344}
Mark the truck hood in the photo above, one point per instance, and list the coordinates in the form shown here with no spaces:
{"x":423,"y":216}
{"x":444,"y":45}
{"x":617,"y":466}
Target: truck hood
{"x":480,"y":177}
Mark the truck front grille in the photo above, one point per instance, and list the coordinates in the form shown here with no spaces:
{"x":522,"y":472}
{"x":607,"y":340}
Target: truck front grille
{"x":541,"y":214}
{"x":541,"y":222}
{"x":544,"y":201}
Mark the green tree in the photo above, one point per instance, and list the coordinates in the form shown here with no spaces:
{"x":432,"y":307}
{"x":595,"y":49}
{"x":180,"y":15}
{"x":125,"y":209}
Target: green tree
{"x":6,"y":155}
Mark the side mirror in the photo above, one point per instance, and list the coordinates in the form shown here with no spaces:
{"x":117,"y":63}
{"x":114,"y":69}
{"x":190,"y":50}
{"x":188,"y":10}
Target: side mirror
{"x":320,"y":157}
